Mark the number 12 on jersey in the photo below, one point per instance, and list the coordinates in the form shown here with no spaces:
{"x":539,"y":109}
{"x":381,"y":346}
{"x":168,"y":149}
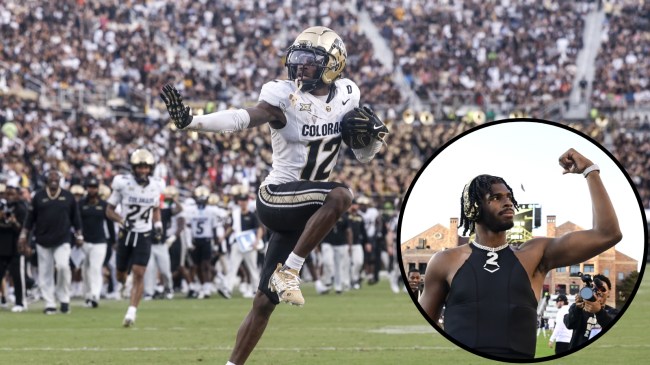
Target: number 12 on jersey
{"x":320,"y":159}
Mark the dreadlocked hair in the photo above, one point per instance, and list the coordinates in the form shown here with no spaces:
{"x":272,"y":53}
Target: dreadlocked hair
{"x":471,"y":201}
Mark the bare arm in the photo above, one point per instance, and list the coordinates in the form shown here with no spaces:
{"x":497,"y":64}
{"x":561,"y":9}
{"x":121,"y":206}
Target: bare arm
{"x":222,"y":121}
{"x":234,"y":120}
{"x":264,"y":112}
{"x":436,"y":288}
{"x":156,"y":215}
{"x":177,"y":207}
{"x":579,"y":246}
{"x":112,"y":215}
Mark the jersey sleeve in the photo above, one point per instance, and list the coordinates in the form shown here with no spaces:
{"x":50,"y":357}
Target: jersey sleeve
{"x":349,"y":88}
{"x":116,"y":190}
{"x":276,"y":93}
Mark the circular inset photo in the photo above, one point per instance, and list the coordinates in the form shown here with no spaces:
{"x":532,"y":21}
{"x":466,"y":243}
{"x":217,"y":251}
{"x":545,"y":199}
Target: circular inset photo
{"x":522,"y":240}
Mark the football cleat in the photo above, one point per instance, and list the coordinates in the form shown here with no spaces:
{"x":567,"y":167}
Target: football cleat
{"x":286,"y":282}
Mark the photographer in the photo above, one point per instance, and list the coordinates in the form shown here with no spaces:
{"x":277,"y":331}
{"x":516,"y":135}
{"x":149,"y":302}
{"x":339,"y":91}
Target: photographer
{"x":12,"y":214}
{"x":589,"y":315}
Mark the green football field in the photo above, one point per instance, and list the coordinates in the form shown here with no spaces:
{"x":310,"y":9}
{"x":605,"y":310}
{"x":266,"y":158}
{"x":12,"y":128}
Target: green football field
{"x":370,"y":326}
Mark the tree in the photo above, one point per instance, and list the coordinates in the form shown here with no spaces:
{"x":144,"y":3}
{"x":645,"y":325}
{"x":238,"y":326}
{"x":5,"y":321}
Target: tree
{"x":625,"y":288}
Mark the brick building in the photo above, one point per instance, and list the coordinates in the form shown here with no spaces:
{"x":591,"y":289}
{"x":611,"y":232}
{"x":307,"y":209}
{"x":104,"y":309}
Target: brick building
{"x":417,"y":251}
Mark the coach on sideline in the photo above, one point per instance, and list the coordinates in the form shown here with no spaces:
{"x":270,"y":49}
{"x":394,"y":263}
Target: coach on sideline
{"x":52,"y":214}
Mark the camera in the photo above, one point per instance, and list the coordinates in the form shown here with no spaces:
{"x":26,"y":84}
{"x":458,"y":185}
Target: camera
{"x":592,"y":286}
{"x":4,"y":208}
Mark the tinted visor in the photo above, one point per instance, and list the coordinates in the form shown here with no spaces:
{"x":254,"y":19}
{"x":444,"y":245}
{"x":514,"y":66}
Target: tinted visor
{"x":307,"y":58}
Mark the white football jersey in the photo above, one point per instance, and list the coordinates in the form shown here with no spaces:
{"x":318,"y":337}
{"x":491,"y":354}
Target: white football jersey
{"x":203,"y":221}
{"x":136,"y":201}
{"x":370,"y":220}
{"x":308,"y":146}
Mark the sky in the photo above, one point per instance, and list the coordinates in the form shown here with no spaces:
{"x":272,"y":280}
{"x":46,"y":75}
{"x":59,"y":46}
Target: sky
{"x":526,"y":155}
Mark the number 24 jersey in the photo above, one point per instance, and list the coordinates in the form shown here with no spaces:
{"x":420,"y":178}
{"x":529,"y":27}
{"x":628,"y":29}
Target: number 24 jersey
{"x":137,"y":201}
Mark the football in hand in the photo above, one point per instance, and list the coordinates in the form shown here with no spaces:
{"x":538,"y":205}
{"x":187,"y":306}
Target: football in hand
{"x":360,"y":127}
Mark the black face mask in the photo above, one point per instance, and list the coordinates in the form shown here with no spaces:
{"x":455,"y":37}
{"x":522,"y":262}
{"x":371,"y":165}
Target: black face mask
{"x":306,"y":57}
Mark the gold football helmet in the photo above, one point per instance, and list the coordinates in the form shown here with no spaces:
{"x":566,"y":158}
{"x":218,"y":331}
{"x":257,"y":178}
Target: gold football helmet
{"x":170,"y":192}
{"x":141,"y":157}
{"x":77,"y":190}
{"x":104,"y":191}
{"x":201,"y":195}
{"x":214,"y":199}
{"x":320,"y":47}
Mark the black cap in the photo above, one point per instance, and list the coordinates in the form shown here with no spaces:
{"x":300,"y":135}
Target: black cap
{"x":562,"y":298}
{"x":91,"y":181}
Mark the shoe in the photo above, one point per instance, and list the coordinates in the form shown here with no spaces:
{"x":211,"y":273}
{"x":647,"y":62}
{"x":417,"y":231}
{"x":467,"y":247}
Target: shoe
{"x":49,"y":311}
{"x":394,"y":286}
{"x":192,"y":294}
{"x":224,"y":293}
{"x":129,"y":318}
{"x":169,"y":295}
{"x":128,"y":321}
{"x":88,"y":304}
{"x":18,"y":309}
{"x":286,"y":282}
{"x":94,"y":303}
{"x":321,"y":288}
{"x":65,"y":308}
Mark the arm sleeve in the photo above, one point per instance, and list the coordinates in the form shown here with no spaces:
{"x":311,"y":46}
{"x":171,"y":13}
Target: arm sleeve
{"x":556,"y":329}
{"x":30,"y":217}
{"x":75,"y":217}
{"x":604,"y":318}
{"x":366,"y":154}
{"x":276,"y":93}
{"x":115,"y":197}
{"x":572,"y":319}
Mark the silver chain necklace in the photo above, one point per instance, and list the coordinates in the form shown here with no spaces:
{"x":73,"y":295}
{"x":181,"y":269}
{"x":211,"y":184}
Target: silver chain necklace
{"x":491,"y":265}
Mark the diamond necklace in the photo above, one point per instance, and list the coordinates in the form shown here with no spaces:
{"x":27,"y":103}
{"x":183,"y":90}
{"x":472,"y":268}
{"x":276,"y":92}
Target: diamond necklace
{"x":491,"y":265}
{"x":55,"y":195}
{"x":491,"y":249}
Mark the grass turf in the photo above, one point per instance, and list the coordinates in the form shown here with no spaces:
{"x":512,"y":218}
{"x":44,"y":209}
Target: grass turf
{"x":370,"y":326}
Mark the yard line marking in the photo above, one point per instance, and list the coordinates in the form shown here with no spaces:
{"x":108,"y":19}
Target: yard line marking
{"x":226,"y":348}
{"x":402,"y":330}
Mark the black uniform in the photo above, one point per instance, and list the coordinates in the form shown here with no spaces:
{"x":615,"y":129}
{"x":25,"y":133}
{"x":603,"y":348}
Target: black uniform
{"x":285,"y":209}
{"x":582,"y":322}
{"x":93,"y":217}
{"x":52,"y":219}
{"x":337,"y":235}
{"x":494,"y":313}
{"x":359,"y":235}
{"x":9,"y":256}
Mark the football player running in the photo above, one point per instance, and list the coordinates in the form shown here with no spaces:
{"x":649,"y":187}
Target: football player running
{"x":138,"y":195}
{"x":296,"y":202}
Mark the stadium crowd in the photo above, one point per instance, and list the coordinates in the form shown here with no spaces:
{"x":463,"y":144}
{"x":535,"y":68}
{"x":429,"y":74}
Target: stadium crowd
{"x":497,"y":55}
{"x":621,"y":78}
{"x":222,"y":52}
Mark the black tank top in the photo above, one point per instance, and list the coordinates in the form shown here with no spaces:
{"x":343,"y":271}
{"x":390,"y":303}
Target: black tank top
{"x":494,"y":313}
